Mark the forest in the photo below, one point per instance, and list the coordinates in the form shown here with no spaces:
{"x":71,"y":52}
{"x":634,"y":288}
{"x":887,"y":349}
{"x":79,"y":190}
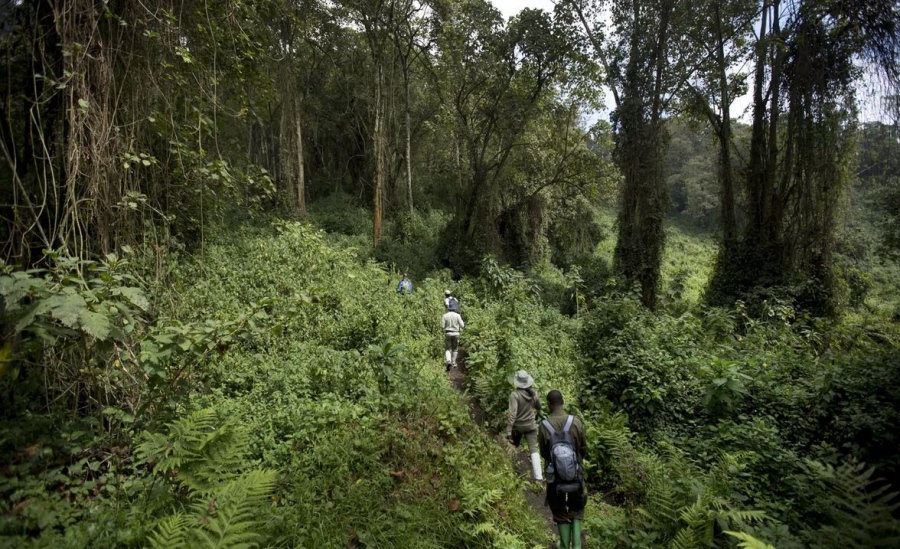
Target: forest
{"x":206,"y":207}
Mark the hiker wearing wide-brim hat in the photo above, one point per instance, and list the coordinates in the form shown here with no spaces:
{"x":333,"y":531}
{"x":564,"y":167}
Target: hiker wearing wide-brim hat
{"x":523,"y":402}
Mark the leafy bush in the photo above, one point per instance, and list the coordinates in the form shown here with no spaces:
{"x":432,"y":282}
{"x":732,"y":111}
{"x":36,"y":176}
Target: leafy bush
{"x":410,"y":242}
{"x":340,"y":213}
{"x":514,"y":331}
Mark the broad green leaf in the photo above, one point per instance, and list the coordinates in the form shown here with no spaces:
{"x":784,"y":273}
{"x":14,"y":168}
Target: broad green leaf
{"x":66,"y":307}
{"x":27,"y":319}
{"x":134,"y":295}
{"x":95,"y":324}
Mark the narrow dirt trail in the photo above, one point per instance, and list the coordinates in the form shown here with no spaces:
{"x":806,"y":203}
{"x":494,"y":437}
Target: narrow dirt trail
{"x":533,"y":491}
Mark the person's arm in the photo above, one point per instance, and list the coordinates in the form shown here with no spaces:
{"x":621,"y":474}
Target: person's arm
{"x":537,"y":402}
{"x":580,"y":441}
{"x":461,"y":323}
{"x":513,"y":412}
{"x":444,"y":323}
{"x":543,"y":445}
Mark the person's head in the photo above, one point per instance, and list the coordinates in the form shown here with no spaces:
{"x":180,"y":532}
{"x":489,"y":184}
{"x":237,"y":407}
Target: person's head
{"x":554,"y":399}
{"x":522,"y":379}
{"x":447,"y":293}
{"x":405,"y":277}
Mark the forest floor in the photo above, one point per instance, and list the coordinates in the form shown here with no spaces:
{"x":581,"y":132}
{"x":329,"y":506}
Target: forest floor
{"x":534,"y":492}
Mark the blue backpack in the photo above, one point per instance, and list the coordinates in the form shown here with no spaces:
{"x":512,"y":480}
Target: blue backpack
{"x":453,"y":305}
{"x":563,"y":468}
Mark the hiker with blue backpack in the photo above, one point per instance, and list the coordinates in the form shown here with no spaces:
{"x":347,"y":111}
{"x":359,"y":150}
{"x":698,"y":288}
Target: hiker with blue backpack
{"x":450,"y":302}
{"x":405,"y":285}
{"x":562,"y":444}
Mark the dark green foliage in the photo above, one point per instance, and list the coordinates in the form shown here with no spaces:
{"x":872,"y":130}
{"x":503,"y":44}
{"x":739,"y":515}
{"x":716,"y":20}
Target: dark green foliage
{"x":861,"y":509}
{"x":55,"y":320}
{"x":575,"y":232}
{"x":340,"y":213}
{"x":633,"y":359}
{"x":764,"y":391}
{"x":410,"y":243}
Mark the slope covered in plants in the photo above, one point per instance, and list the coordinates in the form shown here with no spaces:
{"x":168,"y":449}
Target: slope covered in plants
{"x":289,"y":375}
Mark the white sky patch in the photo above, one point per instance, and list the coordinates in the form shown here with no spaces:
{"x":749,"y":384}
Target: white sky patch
{"x":512,"y":7}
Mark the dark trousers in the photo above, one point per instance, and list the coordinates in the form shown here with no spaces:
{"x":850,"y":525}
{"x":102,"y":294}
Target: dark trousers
{"x":566,"y":506}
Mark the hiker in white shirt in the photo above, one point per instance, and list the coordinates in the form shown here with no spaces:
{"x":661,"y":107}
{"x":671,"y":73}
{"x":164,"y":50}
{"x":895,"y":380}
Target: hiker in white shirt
{"x":452,"y":324}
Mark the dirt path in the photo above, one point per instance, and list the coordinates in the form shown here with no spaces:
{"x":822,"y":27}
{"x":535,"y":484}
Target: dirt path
{"x":533,"y":491}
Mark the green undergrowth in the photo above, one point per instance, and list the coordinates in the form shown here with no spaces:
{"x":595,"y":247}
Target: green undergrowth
{"x":346,"y":397}
{"x":758,"y":421}
{"x":509,"y":329}
{"x":278,"y":366}
{"x":276,"y":391}
{"x":688,"y":258}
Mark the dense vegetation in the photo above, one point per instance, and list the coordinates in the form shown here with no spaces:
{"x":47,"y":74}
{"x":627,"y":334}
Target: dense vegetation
{"x":206,"y":207}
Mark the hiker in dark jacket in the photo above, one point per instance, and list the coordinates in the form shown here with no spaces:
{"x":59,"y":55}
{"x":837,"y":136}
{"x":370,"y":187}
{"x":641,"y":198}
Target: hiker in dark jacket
{"x":523,"y":402}
{"x":567,"y":507}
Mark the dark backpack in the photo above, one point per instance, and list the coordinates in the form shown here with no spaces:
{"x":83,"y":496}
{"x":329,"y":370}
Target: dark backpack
{"x":566,"y":471}
{"x":453,"y":305}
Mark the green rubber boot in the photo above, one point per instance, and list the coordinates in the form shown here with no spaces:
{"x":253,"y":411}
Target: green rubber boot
{"x":565,"y":535}
{"x":576,"y":534}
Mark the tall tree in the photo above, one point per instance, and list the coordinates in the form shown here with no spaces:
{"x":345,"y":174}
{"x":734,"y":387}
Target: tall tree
{"x":497,"y":81}
{"x":643,"y":71}
{"x":719,"y":35}
{"x":806,"y":59}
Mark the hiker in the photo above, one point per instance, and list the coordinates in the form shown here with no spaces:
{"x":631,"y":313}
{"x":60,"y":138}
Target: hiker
{"x":452,"y":324}
{"x":561,"y":439}
{"x":523,"y":402}
{"x":450,"y":302}
{"x":405,"y":285}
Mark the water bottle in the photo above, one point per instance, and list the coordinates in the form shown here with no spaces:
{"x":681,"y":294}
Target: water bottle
{"x":550,"y":473}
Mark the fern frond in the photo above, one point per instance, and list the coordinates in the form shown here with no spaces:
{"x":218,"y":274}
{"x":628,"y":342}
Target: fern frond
{"x":663,"y":502}
{"x":170,"y":533}
{"x":748,"y":541}
{"x":689,"y":538}
{"x":230,"y":515}
{"x":204,"y":453}
{"x":618,"y":441}
{"x":861,"y":508}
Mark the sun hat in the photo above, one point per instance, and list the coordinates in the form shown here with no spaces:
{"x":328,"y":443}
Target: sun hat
{"x":447,"y":293}
{"x":522,"y":379}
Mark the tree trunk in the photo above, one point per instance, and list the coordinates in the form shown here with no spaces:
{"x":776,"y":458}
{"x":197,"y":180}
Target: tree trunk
{"x":756,"y":169}
{"x":409,"y":188}
{"x":301,"y":178}
{"x":380,"y":146}
{"x":641,"y":144}
{"x":729,"y":223}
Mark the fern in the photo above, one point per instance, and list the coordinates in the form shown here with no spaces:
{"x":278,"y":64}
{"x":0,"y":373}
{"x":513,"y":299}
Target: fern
{"x":861,"y":508}
{"x":206,"y":458}
{"x":681,"y":507}
{"x":748,"y":541}
{"x":201,"y":452}
{"x":229,"y":518}
{"x":698,"y":529}
{"x":170,"y":532}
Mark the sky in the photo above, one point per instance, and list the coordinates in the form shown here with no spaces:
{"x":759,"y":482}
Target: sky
{"x":511,"y":7}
